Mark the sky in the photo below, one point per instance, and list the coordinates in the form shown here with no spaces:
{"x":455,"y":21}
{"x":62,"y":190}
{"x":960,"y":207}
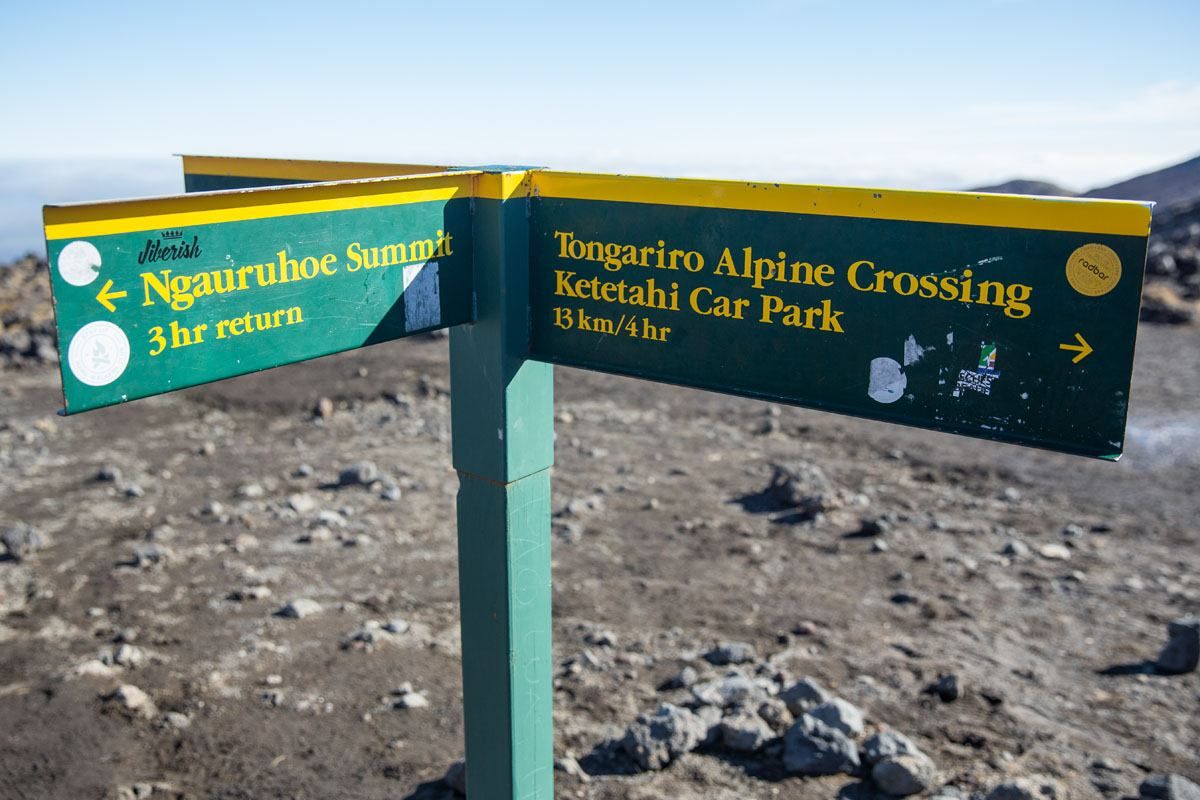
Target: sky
{"x":912,"y":93}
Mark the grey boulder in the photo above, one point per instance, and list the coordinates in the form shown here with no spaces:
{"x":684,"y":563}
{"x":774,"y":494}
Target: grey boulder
{"x":745,"y":732}
{"x":804,"y":695}
{"x":1182,"y":651}
{"x":886,"y":744}
{"x":1034,"y":787}
{"x":655,"y":740}
{"x":21,"y":541}
{"x":810,"y":747}
{"x":901,"y":776}
{"x":840,"y":714}
{"x":1168,"y":787}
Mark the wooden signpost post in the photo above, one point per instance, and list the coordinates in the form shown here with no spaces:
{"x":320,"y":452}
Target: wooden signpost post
{"x":1008,"y":318}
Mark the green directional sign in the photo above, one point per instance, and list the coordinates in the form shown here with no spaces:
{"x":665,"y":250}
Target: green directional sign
{"x":155,"y":295}
{"x":1008,"y":318}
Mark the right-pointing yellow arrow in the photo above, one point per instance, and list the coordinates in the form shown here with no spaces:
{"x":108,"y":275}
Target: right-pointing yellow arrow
{"x":106,"y":297}
{"x":1083,"y":348}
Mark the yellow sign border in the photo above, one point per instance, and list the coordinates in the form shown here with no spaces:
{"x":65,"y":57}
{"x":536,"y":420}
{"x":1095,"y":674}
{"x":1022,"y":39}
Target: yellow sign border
{"x":81,"y":220}
{"x":1119,"y":217}
{"x":300,"y":169}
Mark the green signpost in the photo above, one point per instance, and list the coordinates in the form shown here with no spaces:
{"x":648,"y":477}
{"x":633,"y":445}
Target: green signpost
{"x":1002,"y":317}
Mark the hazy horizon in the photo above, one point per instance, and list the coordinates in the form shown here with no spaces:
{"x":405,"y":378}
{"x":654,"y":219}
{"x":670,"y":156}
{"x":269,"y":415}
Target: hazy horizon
{"x":30,"y":183}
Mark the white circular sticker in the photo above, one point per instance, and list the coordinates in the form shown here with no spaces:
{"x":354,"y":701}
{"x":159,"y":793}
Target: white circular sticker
{"x":98,"y":353}
{"x":79,"y":263}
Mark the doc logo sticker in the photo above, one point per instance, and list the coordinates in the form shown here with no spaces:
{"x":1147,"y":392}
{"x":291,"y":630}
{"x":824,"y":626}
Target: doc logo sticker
{"x":1093,"y":270}
{"x":79,"y":263}
{"x":98,"y":353}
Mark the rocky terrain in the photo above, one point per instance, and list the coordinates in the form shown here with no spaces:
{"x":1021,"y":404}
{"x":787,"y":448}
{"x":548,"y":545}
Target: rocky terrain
{"x":249,"y":590}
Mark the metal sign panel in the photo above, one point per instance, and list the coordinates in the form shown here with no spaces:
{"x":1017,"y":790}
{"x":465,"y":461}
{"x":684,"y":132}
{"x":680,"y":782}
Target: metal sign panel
{"x":1003,"y":317}
{"x":217,"y":173}
{"x":161,"y":294}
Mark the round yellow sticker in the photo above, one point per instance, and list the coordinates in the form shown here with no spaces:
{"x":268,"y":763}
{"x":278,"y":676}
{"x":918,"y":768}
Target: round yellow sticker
{"x":1093,"y":270}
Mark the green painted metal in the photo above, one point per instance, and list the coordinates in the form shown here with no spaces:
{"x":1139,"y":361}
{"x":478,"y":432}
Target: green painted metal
{"x":217,"y":183}
{"x":177,"y":307}
{"x":501,"y":399}
{"x":891,"y":355}
{"x":504,"y":577}
{"x":501,"y":406}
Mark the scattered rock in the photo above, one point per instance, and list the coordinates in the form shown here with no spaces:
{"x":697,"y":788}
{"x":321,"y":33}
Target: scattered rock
{"x":745,"y":732}
{"x":775,"y":713}
{"x":804,"y":695}
{"x":948,"y":793}
{"x":1055,"y":552}
{"x":732,"y":690}
{"x":21,"y":541}
{"x":805,"y":628}
{"x":251,"y":491}
{"x":578,"y":506}
{"x":569,"y":766}
{"x":886,"y":744}
{"x":655,"y":740}
{"x":176,"y":720}
{"x":144,"y":791}
{"x":108,"y":473}
{"x":840,"y":714}
{"x":135,"y":701}
{"x":318,"y":534}
{"x":301,"y":503}
{"x":1162,"y":304}
{"x":601,"y":637}
{"x":251,"y":593}
{"x":362,"y":473}
{"x":1168,"y":787}
{"x":126,"y":655}
{"x":456,"y":777}
{"x":810,"y":747}
{"x":947,"y":688}
{"x":731,"y":653}
{"x":300,"y":608}
{"x":1034,"y":787}
{"x":149,"y":555}
{"x":1181,"y":653}
{"x":684,"y":679}
{"x":805,"y":489}
{"x":1015,"y":548}
{"x":323,"y":408}
{"x":407,"y":697}
{"x":900,"y":776}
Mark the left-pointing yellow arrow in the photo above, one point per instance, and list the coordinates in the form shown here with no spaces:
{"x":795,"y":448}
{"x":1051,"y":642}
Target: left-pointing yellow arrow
{"x":106,"y":297}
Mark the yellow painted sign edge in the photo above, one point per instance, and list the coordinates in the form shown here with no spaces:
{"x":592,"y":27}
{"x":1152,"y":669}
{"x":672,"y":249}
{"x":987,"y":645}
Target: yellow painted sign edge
{"x":300,"y":169}
{"x":80,"y":220}
{"x":1118,"y":217}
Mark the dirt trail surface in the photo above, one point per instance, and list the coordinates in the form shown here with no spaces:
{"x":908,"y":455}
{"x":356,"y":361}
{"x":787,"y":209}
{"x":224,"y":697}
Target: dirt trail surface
{"x":217,"y":597}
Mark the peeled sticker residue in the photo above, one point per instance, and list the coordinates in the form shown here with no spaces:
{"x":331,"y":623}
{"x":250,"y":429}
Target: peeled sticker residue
{"x":422,"y":296}
{"x":913,"y":352}
{"x":888,"y":380}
